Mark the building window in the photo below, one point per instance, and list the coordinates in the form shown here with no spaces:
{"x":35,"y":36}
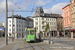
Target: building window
{"x":22,"y":29}
{"x":17,"y":25}
{"x":37,"y":28}
{"x":36,"y":18}
{"x":72,"y":1}
{"x":59,"y":19}
{"x":13,"y":29}
{"x":13,"y":25}
{"x":17,"y":29}
{"x":72,"y":15}
{"x":72,"y":9}
{"x":37,"y":23}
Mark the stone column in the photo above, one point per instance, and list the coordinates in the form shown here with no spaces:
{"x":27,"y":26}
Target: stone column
{"x":71,"y":35}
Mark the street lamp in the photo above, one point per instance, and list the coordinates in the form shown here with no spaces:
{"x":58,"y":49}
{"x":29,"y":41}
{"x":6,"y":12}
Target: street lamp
{"x":50,"y":40}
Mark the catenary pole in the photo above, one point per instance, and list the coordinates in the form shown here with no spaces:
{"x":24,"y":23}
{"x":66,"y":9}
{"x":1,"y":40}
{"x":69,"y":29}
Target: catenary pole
{"x":6,"y":35}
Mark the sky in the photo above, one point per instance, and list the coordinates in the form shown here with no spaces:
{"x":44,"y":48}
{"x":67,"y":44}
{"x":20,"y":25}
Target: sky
{"x":49,"y":6}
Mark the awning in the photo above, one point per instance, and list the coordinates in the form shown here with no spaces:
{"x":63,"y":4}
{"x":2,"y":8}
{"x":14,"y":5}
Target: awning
{"x":72,"y":30}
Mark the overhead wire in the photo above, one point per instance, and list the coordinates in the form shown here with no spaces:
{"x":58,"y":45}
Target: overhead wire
{"x":20,"y":8}
{"x":49,"y":3}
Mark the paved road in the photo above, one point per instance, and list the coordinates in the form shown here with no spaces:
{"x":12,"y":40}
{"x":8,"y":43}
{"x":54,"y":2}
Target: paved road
{"x":64,"y":43}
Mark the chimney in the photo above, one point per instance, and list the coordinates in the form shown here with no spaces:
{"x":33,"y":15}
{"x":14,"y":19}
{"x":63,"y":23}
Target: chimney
{"x":60,"y":14}
{"x":17,"y":15}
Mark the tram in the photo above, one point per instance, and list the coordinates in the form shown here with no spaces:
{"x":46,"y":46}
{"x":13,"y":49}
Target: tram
{"x":30,"y":34}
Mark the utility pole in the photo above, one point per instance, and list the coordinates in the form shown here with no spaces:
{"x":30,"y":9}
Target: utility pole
{"x":21,"y":27}
{"x":6,"y":35}
{"x":12,"y":26}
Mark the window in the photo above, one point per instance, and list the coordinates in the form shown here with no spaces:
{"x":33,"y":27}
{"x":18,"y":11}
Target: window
{"x":72,"y":15}
{"x":22,"y":29}
{"x":72,"y":1}
{"x":13,"y":25}
{"x":37,"y":23}
{"x":13,"y":29}
{"x":59,"y":19}
{"x":72,"y":9}
{"x":17,"y":29}
{"x":42,"y":27}
{"x":36,"y":18}
{"x":37,"y":28}
{"x":19,"y":25}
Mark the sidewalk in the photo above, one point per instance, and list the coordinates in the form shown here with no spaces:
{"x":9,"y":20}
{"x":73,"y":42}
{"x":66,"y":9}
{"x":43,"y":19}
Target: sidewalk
{"x":16,"y":45}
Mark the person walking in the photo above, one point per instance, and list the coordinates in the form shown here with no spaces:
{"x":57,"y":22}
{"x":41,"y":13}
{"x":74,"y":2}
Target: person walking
{"x":13,"y":37}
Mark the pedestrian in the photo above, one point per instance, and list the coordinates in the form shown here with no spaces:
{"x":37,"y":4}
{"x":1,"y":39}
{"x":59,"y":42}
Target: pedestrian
{"x":13,"y":37}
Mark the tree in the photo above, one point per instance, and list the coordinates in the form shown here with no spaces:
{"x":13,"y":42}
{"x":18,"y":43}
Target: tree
{"x":47,"y":28}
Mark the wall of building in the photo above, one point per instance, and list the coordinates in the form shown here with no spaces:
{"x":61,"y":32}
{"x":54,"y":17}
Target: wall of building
{"x":18,"y":28}
{"x":72,"y":13}
{"x":60,"y":26}
{"x":43,"y":21}
{"x":66,"y":15}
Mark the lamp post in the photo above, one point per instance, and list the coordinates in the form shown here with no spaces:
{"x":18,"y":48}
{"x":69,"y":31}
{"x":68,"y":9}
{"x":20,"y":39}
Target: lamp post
{"x":50,"y":40}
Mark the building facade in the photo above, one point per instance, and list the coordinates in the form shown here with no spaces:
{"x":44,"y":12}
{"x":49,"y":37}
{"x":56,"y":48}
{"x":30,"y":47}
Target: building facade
{"x":72,"y":14}
{"x":29,"y":22}
{"x":67,"y":21}
{"x":17,"y":25}
{"x":41,"y":19}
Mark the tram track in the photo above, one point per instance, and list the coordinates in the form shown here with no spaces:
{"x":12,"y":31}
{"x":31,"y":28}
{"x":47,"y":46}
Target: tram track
{"x":36,"y":45}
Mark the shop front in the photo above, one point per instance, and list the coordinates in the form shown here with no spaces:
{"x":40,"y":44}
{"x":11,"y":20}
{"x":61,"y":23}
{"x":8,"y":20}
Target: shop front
{"x":72,"y":30}
{"x":67,"y":32}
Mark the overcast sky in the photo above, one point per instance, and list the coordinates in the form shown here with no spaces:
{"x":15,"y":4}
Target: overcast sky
{"x":49,"y":6}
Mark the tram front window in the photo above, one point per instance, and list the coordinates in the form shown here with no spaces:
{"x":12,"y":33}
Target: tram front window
{"x":31,"y":32}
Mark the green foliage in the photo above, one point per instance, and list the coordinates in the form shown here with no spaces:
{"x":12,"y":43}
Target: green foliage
{"x":47,"y":27}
